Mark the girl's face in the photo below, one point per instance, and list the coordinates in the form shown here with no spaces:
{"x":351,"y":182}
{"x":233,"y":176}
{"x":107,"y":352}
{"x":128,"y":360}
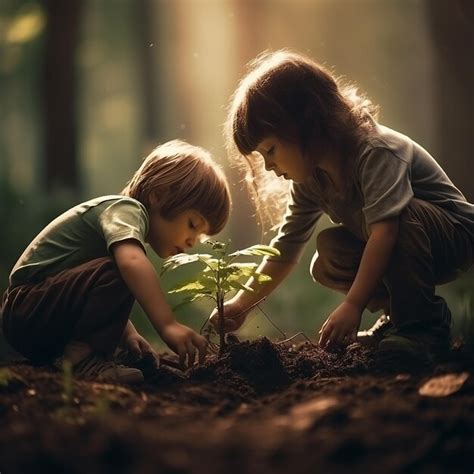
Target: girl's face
{"x":171,"y":236}
{"x":284,"y":159}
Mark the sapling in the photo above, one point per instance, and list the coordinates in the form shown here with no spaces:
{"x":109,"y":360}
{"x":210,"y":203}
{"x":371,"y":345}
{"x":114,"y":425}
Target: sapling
{"x":221,"y":274}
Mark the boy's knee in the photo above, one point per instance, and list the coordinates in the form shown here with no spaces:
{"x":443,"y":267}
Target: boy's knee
{"x":109,"y":274}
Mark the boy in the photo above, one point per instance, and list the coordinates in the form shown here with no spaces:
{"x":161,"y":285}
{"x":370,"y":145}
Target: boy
{"x":71,"y":291}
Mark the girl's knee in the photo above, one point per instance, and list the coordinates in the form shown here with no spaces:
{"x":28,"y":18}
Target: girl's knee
{"x":325,"y":246}
{"x":315,"y":268}
{"x":412,"y":240}
{"x":329,"y":241}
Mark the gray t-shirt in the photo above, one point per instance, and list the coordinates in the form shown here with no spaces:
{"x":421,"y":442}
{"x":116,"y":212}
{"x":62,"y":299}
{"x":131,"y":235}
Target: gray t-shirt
{"x":389,"y":170}
{"x":82,"y":233}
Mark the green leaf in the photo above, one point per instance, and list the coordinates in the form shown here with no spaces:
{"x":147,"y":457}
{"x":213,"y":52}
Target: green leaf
{"x":262,"y":277}
{"x":225,"y":286}
{"x":205,"y":283}
{"x":8,"y":377}
{"x":211,"y":263}
{"x":259,"y":277}
{"x":191,"y":287}
{"x":231,"y":276}
{"x":182,"y":259}
{"x":190,"y":299}
{"x":208,"y":278}
{"x":257,"y":250}
{"x":244,"y":266}
{"x":216,"y":245}
{"x":240,"y":286}
{"x":220,"y":248}
{"x":242,"y":269}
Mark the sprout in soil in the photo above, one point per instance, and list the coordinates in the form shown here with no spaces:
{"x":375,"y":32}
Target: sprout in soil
{"x":221,"y":275}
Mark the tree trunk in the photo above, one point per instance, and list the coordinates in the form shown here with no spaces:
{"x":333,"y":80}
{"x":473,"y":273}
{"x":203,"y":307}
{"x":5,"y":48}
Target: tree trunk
{"x":453,"y":36}
{"x":61,"y":168}
{"x":149,"y":49}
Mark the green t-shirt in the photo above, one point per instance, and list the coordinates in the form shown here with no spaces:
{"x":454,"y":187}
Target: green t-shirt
{"x":81,"y":234}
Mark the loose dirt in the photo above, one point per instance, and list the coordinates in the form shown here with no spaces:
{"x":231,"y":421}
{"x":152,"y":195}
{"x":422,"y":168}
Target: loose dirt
{"x":261,"y":408}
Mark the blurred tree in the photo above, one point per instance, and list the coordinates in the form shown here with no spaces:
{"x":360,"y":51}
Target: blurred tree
{"x":452,"y":26}
{"x":59,"y":94}
{"x":149,"y":87}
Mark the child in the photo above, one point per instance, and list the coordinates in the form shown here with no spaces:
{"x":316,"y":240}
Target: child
{"x":404,"y":226}
{"x":72,"y":290}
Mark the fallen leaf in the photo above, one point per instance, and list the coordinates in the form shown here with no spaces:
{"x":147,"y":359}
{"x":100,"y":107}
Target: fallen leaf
{"x":443,"y":385}
{"x":98,"y":387}
{"x":313,"y":406}
{"x":303,"y":415}
{"x":402,"y":377}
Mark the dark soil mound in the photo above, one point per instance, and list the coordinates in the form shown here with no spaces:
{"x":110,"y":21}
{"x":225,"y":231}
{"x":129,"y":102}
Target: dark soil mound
{"x":262,"y":407}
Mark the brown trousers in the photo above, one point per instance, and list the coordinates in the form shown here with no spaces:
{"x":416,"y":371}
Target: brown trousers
{"x":88,"y":303}
{"x":430,"y":250}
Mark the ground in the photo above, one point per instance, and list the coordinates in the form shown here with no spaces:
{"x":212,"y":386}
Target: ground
{"x":261,"y":408}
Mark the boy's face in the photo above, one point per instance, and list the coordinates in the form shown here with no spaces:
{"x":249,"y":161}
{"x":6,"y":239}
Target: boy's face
{"x":171,"y":236}
{"x":284,"y":159}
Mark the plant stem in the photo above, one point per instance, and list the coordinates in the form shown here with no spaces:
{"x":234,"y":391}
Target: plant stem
{"x":220,"y":311}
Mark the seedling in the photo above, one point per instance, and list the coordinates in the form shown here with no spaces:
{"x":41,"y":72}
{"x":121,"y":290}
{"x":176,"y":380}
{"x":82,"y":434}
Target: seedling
{"x":9,"y":378}
{"x":221,"y":275}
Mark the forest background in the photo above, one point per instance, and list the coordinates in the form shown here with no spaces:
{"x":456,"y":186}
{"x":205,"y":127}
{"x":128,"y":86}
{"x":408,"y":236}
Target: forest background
{"x":89,"y":87}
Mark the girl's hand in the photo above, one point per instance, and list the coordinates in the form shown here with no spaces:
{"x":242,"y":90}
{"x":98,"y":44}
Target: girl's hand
{"x":184,"y":341}
{"x":234,"y":317}
{"x":341,"y":326}
{"x":139,"y":347}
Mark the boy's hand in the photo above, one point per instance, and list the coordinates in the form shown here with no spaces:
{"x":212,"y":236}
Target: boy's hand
{"x":341,"y":326}
{"x":184,"y":341}
{"x":139,"y":347}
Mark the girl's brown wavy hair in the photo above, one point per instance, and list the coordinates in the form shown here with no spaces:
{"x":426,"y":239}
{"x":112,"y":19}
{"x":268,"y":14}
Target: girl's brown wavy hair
{"x":290,"y":96}
{"x":176,"y":177}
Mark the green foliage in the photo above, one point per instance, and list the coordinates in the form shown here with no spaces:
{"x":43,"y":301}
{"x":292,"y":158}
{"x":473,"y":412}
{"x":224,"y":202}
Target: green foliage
{"x":6,"y":377}
{"x":68,"y":383}
{"x":221,"y":274}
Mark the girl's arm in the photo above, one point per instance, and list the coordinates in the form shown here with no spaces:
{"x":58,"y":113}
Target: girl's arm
{"x":143,"y":282}
{"x":236,"y":309}
{"x":344,"y":322}
{"x":374,"y":262}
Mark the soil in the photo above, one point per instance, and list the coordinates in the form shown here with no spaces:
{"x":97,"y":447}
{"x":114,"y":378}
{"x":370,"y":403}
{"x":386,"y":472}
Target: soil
{"x":261,"y":408}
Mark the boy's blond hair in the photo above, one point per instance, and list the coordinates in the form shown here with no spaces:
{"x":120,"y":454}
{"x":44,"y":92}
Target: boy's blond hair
{"x":176,"y":177}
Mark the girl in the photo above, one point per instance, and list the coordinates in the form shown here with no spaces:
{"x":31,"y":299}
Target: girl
{"x":404,"y":227}
{"x":71,"y":292}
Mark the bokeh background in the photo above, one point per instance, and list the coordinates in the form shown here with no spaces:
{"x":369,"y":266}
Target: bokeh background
{"x":88,"y":88}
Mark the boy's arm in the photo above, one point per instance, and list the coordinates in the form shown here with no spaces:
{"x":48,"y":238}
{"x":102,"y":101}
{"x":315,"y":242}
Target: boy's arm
{"x":345,"y":320}
{"x":143,"y":282}
{"x":136,"y":344}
